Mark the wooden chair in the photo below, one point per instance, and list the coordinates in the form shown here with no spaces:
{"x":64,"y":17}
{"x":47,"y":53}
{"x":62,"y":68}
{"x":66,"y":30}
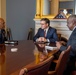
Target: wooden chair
{"x":64,"y":39}
{"x":8,"y":34}
{"x":73,"y":73}
{"x":61,"y":63}
{"x":38,"y":69}
{"x":60,"y":38}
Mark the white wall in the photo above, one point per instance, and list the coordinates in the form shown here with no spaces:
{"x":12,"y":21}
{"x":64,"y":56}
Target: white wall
{"x":19,"y":17}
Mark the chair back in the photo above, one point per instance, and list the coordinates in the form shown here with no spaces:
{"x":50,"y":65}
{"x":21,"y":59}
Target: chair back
{"x":62,"y":61}
{"x":73,"y":73}
{"x":64,"y":39}
{"x":38,"y":69}
{"x":8,"y":34}
{"x":30,"y":34}
{"x":60,"y":38}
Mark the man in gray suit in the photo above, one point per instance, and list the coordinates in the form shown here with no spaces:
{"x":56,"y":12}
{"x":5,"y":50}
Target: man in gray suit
{"x":71,"y":23}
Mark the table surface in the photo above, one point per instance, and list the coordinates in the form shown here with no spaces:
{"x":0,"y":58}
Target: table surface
{"x":26,"y":53}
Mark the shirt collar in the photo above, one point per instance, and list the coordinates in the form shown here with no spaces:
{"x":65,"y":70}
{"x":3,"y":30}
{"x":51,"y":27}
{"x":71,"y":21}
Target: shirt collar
{"x":46,"y":29}
{"x":74,"y":28}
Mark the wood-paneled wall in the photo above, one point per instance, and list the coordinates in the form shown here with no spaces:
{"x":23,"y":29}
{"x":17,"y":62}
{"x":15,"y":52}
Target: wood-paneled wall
{"x":3,"y":9}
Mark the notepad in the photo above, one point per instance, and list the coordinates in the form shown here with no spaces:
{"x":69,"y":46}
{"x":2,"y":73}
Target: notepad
{"x":14,"y":49}
{"x":11,"y":42}
{"x":50,"y":48}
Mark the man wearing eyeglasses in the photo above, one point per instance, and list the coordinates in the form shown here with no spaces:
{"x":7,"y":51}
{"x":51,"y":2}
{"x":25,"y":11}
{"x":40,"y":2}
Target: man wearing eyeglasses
{"x":46,"y":33}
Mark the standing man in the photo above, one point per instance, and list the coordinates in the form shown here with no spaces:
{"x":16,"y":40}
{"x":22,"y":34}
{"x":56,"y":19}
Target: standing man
{"x":46,"y":33}
{"x":71,"y":23}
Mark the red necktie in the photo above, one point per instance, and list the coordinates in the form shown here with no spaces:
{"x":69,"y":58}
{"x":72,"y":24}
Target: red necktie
{"x":44,"y":33}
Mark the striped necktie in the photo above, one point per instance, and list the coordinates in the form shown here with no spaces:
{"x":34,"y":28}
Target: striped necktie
{"x":44,"y":33}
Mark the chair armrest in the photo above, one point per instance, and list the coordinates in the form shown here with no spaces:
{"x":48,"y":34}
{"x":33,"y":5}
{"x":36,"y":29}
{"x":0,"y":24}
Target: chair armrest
{"x":51,"y":73}
{"x":55,"y":61}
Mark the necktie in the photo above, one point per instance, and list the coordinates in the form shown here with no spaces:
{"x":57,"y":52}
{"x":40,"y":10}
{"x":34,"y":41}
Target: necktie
{"x":44,"y":33}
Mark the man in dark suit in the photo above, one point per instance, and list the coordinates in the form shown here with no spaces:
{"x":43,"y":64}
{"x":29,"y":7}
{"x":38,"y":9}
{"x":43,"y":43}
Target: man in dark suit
{"x":46,"y":33}
{"x":2,"y":31}
{"x":71,"y":23}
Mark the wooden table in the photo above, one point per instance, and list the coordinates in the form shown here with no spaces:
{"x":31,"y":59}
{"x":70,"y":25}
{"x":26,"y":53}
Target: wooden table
{"x":27,"y":53}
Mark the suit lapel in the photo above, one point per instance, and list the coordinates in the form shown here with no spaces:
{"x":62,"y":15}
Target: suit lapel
{"x":72,"y":33}
{"x":42,"y":33}
{"x":71,"y":37}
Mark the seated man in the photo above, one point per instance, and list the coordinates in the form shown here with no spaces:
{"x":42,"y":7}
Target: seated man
{"x":2,"y":31}
{"x":71,"y":23}
{"x":46,"y":33}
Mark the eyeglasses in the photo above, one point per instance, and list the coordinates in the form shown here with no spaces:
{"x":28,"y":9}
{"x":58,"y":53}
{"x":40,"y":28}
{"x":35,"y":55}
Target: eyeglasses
{"x":43,"y":23}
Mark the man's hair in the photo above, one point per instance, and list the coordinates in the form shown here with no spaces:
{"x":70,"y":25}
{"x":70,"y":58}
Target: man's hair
{"x":46,"y":20}
{"x":73,"y":17}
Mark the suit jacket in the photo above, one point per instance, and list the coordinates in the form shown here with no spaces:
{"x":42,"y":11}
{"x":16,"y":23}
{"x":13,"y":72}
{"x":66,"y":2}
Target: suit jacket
{"x":2,"y":36}
{"x":51,"y":34}
{"x":72,"y":42}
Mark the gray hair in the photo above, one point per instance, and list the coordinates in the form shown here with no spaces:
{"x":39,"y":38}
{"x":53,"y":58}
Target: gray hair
{"x":73,"y":17}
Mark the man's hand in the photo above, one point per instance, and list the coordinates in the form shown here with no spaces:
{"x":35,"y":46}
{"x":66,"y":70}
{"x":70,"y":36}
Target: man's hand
{"x":41,"y":45}
{"x":63,"y":43}
{"x":58,"y":44}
